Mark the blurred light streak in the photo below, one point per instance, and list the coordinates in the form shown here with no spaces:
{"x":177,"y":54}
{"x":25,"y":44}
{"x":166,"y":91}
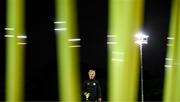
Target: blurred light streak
{"x":125,"y":20}
{"x":172,"y":69}
{"x":14,"y":51}
{"x":22,"y":43}
{"x":170,"y":38}
{"x":77,"y":39}
{"x":75,"y":46}
{"x":111,"y":43}
{"x":8,"y":35}
{"x":60,"y":29}
{"x":22,"y":37}
{"x":68,"y":61}
{"x":59,"y":22}
{"x":9,"y":28}
{"x":111,"y":35}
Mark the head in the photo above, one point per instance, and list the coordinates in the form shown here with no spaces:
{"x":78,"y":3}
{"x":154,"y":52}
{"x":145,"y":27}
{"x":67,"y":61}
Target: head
{"x":91,"y":74}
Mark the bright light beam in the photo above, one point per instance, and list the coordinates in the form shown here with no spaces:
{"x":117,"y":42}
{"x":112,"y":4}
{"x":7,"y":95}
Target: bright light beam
{"x":68,"y":68}
{"x":14,"y":51}
{"x":125,"y":18}
{"x":172,"y":67}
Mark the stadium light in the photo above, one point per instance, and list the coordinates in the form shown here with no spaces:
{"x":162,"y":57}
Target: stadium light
{"x":140,"y":39}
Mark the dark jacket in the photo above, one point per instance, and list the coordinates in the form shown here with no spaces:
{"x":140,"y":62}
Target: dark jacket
{"x":92,"y":87}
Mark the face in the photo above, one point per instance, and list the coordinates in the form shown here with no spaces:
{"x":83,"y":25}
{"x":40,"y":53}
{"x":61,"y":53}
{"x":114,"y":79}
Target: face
{"x":91,"y":74}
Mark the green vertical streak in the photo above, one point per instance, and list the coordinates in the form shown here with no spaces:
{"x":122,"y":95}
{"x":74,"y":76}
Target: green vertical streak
{"x":177,"y":59}
{"x":10,"y":50}
{"x":171,"y":73}
{"x":14,"y":52}
{"x":177,"y":81}
{"x":125,"y":20}
{"x":134,"y":56}
{"x":68,"y":72}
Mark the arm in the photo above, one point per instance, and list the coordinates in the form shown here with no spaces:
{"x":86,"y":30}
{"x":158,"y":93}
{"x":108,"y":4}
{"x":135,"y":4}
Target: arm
{"x":99,"y":92}
{"x":85,"y":94}
{"x":84,"y":88}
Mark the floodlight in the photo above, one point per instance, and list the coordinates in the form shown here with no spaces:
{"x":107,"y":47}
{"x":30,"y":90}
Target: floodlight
{"x":141,"y":38}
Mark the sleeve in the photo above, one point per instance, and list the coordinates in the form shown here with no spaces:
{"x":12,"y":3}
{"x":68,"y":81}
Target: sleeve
{"x":84,"y":88}
{"x":99,"y":90}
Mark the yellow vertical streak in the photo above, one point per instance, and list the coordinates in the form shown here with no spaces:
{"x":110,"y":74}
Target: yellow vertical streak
{"x":68,"y":69}
{"x":171,"y":85}
{"x":125,"y":20}
{"x":14,"y":52}
{"x":177,"y":63}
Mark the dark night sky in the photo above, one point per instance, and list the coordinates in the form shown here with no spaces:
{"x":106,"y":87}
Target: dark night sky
{"x":156,"y":24}
{"x":41,"y":76}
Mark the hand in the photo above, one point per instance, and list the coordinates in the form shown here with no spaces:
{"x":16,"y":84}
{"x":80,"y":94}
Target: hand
{"x":99,"y":100}
{"x":87,"y":95}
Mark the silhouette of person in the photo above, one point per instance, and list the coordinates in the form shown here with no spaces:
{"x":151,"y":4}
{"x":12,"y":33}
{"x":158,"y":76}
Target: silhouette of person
{"x":91,"y":88}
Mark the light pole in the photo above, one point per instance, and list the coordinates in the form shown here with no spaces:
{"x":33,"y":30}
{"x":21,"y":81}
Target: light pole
{"x":140,"y":40}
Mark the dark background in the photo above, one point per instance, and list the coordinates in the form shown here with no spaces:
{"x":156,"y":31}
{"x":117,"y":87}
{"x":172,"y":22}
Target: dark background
{"x":41,"y":65}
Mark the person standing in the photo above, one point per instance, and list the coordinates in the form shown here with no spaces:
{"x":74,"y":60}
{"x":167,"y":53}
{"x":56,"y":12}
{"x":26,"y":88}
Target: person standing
{"x":91,"y":88}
